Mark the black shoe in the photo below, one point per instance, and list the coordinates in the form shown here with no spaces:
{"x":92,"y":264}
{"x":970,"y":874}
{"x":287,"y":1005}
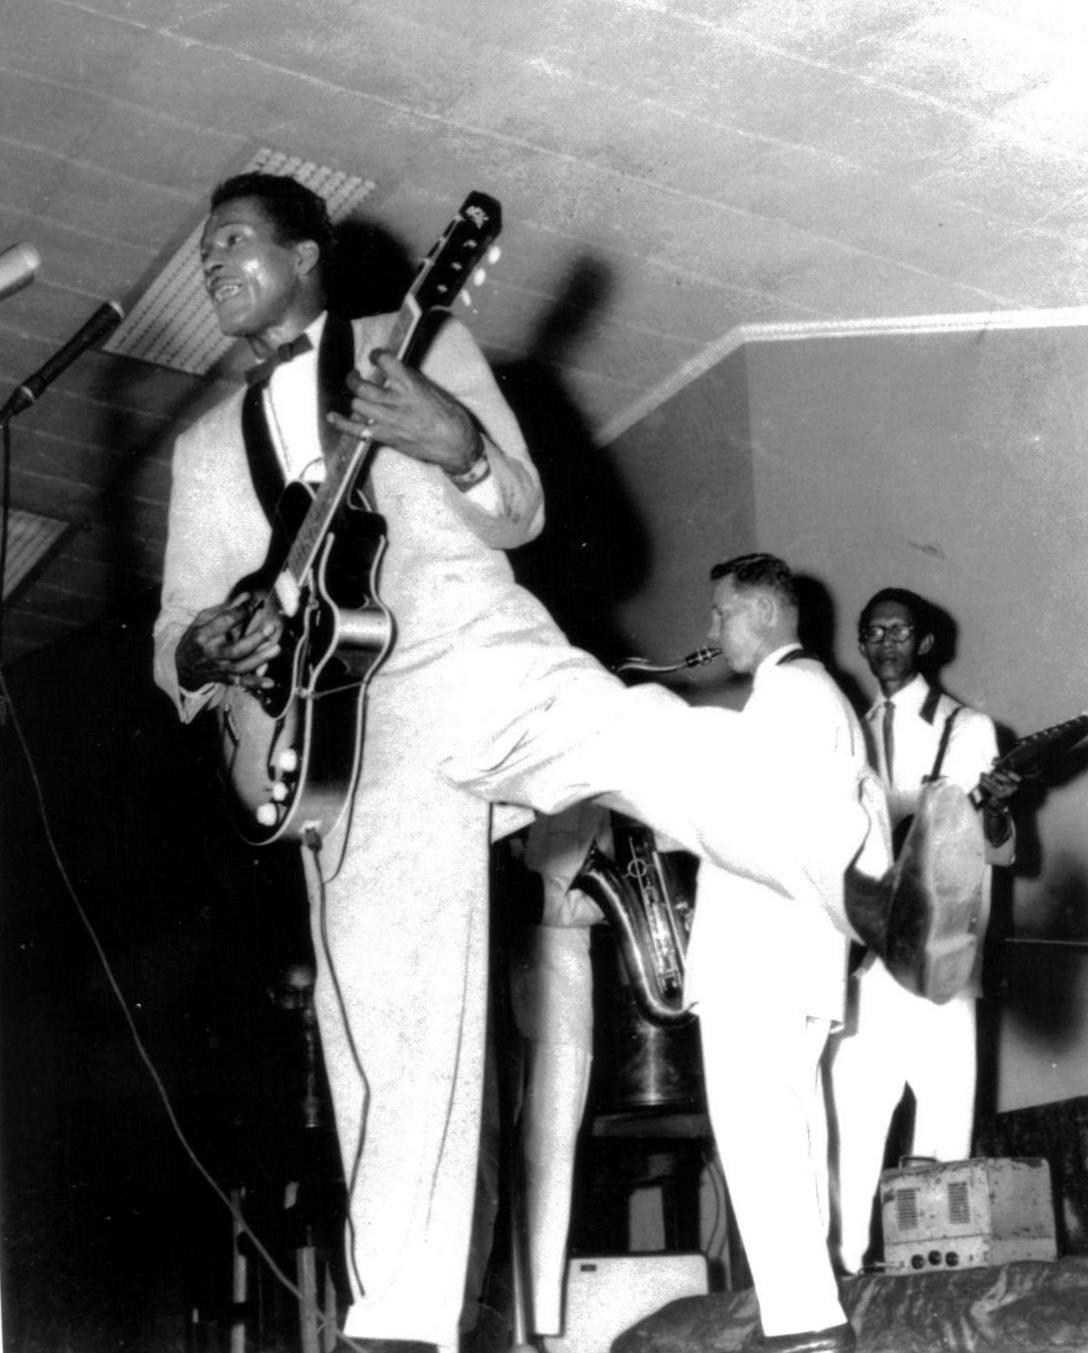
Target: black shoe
{"x":923,"y":918}
{"x":834,"y":1339}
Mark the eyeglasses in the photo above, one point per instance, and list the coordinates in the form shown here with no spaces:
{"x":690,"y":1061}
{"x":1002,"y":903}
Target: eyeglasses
{"x":897,"y":633}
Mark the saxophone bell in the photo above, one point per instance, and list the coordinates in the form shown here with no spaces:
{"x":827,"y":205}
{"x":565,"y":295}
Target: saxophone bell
{"x":650,"y":923}
{"x":696,"y":659}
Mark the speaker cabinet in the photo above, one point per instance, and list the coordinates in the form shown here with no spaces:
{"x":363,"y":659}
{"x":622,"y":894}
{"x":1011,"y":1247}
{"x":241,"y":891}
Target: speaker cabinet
{"x":606,"y":1296}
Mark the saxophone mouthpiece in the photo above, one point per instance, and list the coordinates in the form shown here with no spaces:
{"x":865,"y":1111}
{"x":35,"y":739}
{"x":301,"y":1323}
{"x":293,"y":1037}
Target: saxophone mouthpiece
{"x":696,"y":659}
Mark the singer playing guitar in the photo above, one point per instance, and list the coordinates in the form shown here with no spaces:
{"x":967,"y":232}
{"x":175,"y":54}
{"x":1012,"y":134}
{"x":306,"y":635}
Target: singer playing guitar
{"x":456,"y":485}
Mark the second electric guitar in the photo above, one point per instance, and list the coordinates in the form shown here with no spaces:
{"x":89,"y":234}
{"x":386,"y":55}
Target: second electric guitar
{"x":291,"y":754}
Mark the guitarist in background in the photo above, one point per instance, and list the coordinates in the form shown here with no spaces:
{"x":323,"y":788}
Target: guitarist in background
{"x":481,"y":705}
{"x":896,"y":1039}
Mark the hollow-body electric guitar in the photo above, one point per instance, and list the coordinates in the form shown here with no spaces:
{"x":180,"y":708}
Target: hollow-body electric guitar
{"x":291,"y":754}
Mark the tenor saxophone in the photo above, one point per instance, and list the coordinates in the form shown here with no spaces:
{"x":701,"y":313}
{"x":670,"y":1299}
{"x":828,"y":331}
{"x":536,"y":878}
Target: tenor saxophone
{"x":651,"y":919}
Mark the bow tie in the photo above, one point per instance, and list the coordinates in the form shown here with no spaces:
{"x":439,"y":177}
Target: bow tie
{"x":262,"y":372}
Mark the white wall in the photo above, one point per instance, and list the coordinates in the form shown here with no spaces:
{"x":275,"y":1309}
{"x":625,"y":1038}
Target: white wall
{"x":957,"y":465}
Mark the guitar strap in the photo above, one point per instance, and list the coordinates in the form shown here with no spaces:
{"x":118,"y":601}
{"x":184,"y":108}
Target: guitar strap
{"x":946,"y":733}
{"x":335,"y":358}
{"x":264,"y":465}
{"x":942,"y":747}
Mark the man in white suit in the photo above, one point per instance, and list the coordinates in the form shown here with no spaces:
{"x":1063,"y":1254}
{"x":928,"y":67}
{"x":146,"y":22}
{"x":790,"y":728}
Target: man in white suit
{"x":482,"y":703}
{"x":767,"y":976}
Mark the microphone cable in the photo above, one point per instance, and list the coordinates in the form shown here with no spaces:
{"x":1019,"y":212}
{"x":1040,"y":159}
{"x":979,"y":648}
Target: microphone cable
{"x":141,"y":1048}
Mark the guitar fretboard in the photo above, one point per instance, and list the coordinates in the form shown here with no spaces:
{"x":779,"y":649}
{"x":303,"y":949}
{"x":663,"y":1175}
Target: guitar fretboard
{"x":343,"y":465}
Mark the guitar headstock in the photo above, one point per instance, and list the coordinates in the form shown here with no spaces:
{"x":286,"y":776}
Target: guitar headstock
{"x":456,"y":258}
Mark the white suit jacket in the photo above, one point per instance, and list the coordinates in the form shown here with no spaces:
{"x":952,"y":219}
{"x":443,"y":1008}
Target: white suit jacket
{"x":445,"y":570}
{"x":747,"y":938}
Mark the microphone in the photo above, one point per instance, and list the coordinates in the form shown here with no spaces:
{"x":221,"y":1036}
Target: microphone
{"x":17,"y":268}
{"x":104,"y":320}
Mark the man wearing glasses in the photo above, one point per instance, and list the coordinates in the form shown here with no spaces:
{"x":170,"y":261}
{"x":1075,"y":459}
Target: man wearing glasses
{"x":895,"y":1039}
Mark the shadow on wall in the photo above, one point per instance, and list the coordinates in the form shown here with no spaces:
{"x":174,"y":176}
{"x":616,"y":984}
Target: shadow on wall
{"x":1042,"y":977}
{"x":593,"y":551}
{"x":818,"y":626}
{"x":1059,"y":1134}
{"x":371,"y":271}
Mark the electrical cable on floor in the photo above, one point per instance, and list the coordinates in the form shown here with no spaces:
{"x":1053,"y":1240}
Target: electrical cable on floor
{"x":141,"y":1049}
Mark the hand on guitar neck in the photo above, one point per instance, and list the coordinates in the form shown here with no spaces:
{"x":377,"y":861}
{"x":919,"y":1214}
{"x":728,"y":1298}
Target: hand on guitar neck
{"x":1026,"y":760}
{"x":400,"y":408}
{"x":231,"y":644}
{"x":992,"y":795}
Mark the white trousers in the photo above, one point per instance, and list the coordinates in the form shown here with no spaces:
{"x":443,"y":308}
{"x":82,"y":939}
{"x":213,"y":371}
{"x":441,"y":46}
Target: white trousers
{"x":552,"y":995}
{"x":894,"y":1039}
{"x":401,"y":930}
{"x":706,"y":779}
{"x":764,"y":1093}
{"x":551,"y":1119}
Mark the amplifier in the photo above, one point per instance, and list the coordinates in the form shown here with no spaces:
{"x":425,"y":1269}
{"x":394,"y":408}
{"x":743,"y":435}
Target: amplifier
{"x":966,"y":1214}
{"x":606,"y":1296}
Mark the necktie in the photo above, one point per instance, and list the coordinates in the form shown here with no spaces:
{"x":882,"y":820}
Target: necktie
{"x":889,"y":739}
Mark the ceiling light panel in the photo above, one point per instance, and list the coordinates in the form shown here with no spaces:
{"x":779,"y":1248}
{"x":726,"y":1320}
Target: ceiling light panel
{"x":30,"y":540}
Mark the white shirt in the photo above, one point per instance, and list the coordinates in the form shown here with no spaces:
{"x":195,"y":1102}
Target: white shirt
{"x":972,"y":746}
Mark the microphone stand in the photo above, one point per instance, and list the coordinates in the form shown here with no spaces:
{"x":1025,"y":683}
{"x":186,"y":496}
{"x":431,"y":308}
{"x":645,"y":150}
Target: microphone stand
{"x":104,"y":320}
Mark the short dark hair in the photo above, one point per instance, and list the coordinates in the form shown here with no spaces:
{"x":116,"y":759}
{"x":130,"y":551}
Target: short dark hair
{"x":295,"y":211}
{"x":759,"y":570}
{"x":921,"y":612}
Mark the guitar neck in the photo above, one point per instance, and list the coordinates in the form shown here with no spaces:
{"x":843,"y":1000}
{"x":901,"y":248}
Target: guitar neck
{"x":1026,"y":757}
{"x":343,"y":465}
{"x":439,"y":281}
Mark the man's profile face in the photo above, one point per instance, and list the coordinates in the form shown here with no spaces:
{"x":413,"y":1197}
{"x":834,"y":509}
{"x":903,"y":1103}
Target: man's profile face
{"x":735,"y":625}
{"x":254,"y":281}
{"x":891,"y":644}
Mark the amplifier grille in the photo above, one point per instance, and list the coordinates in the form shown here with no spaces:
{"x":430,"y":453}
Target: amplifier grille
{"x":906,"y":1209}
{"x":959,"y":1202}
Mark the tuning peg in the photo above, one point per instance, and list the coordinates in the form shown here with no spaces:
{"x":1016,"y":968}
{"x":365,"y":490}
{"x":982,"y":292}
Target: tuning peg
{"x":494,"y":254}
{"x":479,"y":277}
{"x":465,"y":297}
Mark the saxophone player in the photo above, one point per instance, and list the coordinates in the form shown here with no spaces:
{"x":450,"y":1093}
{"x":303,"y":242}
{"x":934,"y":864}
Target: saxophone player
{"x":766,"y":974}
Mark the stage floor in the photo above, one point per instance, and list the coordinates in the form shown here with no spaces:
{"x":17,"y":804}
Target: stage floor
{"x":1016,"y":1308}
